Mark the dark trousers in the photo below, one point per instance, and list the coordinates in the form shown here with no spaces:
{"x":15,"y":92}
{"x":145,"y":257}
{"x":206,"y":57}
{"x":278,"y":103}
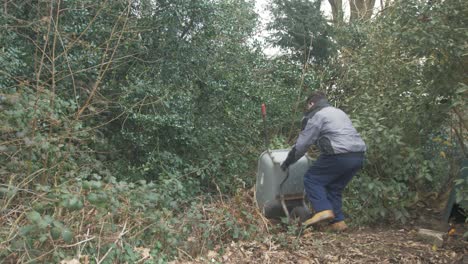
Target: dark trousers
{"x":326,"y":179}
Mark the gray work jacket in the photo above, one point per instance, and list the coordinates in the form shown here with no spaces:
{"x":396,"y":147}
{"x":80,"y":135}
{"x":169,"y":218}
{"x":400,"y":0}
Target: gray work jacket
{"x":331,"y":130}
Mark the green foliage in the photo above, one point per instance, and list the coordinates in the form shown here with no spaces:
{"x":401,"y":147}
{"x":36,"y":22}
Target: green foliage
{"x":118,"y":116}
{"x":116,"y":218}
{"x":299,"y":27}
{"x":187,"y":102}
{"x":397,"y":77}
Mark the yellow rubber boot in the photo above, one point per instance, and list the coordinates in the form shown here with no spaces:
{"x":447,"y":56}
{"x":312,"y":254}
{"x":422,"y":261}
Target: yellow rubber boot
{"x":320,"y":216}
{"x":338,"y":227}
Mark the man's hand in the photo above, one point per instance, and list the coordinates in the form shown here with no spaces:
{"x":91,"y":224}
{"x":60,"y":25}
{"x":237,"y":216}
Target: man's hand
{"x":290,"y":159}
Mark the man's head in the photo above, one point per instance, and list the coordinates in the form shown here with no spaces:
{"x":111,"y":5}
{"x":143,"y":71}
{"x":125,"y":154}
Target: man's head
{"x":314,"y":98}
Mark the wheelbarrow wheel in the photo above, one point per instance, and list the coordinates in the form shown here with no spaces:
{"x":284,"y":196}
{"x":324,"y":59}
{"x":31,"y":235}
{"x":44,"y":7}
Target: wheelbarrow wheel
{"x":301,"y":212}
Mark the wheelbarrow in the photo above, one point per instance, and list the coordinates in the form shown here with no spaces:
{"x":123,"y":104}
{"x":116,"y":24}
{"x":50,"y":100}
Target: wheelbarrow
{"x":279,"y":193}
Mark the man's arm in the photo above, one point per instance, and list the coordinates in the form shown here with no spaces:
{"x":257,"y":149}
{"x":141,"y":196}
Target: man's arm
{"x":307,"y":138}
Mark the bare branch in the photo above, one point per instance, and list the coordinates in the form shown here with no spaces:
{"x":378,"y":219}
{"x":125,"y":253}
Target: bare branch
{"x":105,"y":68}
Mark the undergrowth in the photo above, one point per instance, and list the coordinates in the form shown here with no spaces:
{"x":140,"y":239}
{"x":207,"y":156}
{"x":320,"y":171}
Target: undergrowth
{"x":104,"y":221}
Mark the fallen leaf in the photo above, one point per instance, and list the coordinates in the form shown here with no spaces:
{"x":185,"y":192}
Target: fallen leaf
{"x":84,"y":259}
{"x":71,"y":261}
{"x":212,"y":254}
{"x":144,"y":252}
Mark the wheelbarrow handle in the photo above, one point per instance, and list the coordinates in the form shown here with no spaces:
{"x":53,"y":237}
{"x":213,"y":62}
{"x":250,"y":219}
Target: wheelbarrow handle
{"x":265,"y":132}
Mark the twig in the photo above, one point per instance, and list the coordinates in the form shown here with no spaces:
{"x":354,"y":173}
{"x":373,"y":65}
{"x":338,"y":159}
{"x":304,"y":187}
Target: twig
{"x":99,"y":241}
{"x":122,"y":233}
{"x":69,"y":66}
{"x":22,"y":183}
{"x":39,"y":71}
{"x":97,"y":66}
{"x":37,"y":258}
{"x":78,"y":243}
{"x":65,"y":50}
{"x":220,"y":194}
{"x":53,"y":86}
{"x":80,"y":249}
{"x":459,"y":136}
{"x":185,"y":253}
{"x":460,"y":116}
{"x":104,"y":70}
{"x":257,"y":210}
{"x":304,"y":71}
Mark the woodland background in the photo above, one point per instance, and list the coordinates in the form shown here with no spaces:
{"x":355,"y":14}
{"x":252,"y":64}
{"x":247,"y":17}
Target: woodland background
{"x":122,"y":121}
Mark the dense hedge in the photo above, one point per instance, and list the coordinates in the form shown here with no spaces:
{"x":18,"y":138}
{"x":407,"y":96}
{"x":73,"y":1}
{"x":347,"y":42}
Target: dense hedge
{"x":121,"y":119}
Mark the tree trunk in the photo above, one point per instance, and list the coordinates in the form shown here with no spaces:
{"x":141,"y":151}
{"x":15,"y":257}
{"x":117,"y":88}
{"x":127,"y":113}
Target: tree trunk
{"x":353,"y":8}
{"x":361,"y":9}
{"x":369,"y":9}
{"x":337,"y":10}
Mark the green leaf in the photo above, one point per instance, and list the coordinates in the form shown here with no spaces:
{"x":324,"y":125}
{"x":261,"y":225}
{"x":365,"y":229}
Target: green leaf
{"x":55,"y":233}
{"x":34,"y":216}
{"x":43,"y":238}
{"x":67,"y":235}
{"x":25,"y":230}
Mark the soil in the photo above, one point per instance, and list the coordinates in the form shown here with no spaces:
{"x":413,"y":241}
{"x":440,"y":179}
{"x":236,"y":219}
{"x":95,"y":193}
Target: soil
{"x":364,"y":245}
{"x":388,"y":243}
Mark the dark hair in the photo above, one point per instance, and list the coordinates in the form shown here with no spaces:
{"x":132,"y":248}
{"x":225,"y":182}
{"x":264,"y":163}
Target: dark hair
{"x":316,"y":96}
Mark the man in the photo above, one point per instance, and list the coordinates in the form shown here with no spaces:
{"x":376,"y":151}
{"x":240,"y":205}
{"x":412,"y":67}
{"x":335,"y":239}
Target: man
{"x":342,"y":155}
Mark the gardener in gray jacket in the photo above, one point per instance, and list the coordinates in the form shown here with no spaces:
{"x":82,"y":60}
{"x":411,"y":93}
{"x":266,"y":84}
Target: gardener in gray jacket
{"x":342,"y":155}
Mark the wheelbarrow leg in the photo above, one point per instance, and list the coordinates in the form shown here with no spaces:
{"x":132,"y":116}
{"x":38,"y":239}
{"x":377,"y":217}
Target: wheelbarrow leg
{"x":304,"y":200}
{"x":285,"y":208}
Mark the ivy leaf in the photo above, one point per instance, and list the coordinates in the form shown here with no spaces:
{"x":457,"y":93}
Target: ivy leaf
{"x":34,"y":217}
{"x":67,"y":235}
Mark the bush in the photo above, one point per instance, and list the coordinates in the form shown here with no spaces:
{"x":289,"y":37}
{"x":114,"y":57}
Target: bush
{"x":398,"y":80}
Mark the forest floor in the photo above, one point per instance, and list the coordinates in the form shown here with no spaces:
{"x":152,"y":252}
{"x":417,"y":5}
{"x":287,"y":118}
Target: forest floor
{"x":367,"y":245}
{"x":389,"y":243}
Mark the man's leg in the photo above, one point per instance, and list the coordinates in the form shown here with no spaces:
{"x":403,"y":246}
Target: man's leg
{"x":334,"y":192}
{"x":318,"y":177}
{"x":351,"y":165}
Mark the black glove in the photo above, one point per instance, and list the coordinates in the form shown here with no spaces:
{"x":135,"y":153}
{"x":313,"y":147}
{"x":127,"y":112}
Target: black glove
{"x":289,"y":160}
